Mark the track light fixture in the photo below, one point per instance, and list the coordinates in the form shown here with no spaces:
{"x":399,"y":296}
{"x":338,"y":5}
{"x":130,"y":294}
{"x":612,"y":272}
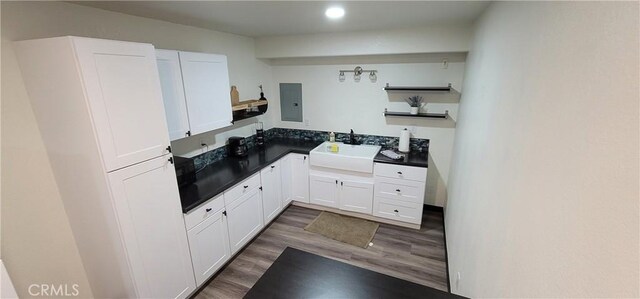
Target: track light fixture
{"x":357,"y":73}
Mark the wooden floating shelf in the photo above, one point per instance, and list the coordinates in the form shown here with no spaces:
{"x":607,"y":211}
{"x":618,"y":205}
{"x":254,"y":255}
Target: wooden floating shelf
{"x":424,"y":115}
{"x":244,"y":105}
{"x":241,"y":116}
{"x":418,"y":89}
{"x":248,"y":109}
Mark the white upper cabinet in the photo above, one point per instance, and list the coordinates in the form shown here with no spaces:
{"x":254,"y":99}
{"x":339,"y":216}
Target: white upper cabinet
{"x":207,"y":90}
{"x":196,"y":92}
{"x":124,"y":95}
{"x":175,"y":105}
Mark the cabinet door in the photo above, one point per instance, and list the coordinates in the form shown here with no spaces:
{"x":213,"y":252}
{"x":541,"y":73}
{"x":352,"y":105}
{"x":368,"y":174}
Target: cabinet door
{"x":300,"y":179}
{"x":209,"y":244}
{"x":323,"y":190}
{"x":286,"y":179}
{"x":271,"y":191}
{"x":244,"y":217}
{"x":207,"y":91}
{"x":175,"y":106}
{"x":125,"y":100}
{"x":147,"y":204}
{"x":356,"y":196}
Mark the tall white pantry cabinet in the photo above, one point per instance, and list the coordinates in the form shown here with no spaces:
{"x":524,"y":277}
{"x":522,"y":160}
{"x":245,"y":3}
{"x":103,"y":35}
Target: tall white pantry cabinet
{"x":99,"y":108}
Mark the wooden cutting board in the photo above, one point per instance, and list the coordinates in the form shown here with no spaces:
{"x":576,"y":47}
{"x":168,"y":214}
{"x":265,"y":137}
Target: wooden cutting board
{"x":235,"y":96}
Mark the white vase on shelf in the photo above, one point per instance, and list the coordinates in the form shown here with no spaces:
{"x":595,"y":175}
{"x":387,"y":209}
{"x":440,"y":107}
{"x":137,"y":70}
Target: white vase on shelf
{"x":414,"y":110}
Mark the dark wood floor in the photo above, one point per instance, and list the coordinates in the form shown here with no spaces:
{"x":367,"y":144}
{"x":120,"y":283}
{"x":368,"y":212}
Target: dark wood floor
{"x":414,"y":255}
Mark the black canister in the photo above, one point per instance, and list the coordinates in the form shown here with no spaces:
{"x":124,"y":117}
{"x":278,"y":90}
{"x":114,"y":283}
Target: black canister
{"x":259,"y":134}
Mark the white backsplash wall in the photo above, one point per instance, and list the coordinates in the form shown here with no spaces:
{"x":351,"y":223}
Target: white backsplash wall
{"x":331,"y":105}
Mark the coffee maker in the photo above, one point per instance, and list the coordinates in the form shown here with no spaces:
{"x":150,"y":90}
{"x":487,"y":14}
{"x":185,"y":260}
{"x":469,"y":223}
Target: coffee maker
{"x":237,"y":147}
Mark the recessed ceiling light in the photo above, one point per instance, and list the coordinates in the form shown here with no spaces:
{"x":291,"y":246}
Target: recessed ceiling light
{"x":334,"y":12}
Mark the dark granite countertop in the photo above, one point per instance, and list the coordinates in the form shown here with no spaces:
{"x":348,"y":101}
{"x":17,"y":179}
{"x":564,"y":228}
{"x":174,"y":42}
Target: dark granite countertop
{"x":412,"y":158}
{"x":219,"y":176}
{"x":224,"y":174}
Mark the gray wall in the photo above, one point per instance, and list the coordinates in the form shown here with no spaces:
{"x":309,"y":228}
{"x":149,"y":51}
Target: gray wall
{"x":543,"y":190}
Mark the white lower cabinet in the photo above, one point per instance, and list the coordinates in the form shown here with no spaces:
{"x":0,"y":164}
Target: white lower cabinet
{"x":220,"y":227}
{"x":394,"y":192}
{"x":223,"y":225}
{"x":340,"y":192}
{"x":323,"y":190}
{"x":356,"y":196}
{"x":245,"y":219}
{"x":271,"y":191}
{"x":300,"y":177}
{"x":286,"y":179}
{"x":209,"y":244}
{"x":399,"y":192}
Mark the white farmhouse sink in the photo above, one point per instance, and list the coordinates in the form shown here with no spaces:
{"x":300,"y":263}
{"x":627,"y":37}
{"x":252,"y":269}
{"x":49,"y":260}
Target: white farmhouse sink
{"x":349,"y":157}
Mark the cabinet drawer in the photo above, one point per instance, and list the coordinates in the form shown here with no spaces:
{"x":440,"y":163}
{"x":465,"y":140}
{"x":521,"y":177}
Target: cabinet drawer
{"x":241,"y":189}
{"x":400,"y":189}
{"x":400,"y":172}
{"x":398,"y":210}
{"x":195,"y":216}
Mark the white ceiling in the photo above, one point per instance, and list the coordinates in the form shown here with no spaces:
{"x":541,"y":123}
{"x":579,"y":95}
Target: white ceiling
{"x":271,"y":18}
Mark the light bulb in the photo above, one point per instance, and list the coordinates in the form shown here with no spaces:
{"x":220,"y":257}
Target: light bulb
{"x":373,"y":77}
{"x":334,"y":12}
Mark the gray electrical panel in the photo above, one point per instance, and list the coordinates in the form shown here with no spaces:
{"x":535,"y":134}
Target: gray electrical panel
{"x":291,"y":101}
